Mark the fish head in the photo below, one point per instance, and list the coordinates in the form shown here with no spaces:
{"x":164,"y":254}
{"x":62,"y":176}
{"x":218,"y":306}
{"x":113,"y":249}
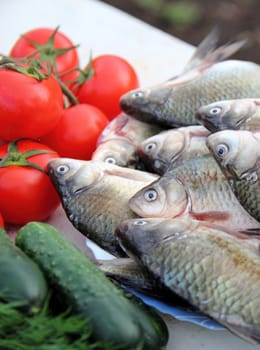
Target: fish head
{"x":71,"y":176}
{"x":116,"y":151}
{"x":224,"y":146}
{"x":226,"y":114}
{"x":215,"y":116}
{"x":141,"y":236}
{"x":162,"y":149}
{"x":166,"y":197}
{"x":145,"y":104}
{"x":236,"y":151}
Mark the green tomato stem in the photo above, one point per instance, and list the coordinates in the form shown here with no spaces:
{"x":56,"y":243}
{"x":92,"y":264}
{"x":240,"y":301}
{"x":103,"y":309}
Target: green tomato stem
{"x":14,"y":157}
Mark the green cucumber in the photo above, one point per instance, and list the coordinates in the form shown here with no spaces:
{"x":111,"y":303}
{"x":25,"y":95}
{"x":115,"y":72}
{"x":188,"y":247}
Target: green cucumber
{"x":113,"y":316}
{"x":21,"y":279}
{"x":155,"y":331}
{"x":82,"y":286}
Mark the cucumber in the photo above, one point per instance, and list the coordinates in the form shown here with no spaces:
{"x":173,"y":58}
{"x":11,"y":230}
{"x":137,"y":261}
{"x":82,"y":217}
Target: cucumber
{"x":155,"y":331}
{"x":21,"y":279}
{"x":82,"y":286}
{"x":113,"y":316}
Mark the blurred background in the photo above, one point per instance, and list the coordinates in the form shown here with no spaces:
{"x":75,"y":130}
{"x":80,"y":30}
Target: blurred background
{"x":191,"y":20}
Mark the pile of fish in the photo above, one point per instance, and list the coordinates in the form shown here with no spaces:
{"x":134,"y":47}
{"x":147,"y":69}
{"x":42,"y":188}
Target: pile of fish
{"x":173,"y":189}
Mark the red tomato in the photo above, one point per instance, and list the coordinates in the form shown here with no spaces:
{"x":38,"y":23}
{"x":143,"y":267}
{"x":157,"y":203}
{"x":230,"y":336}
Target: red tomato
{"x":50,"y":43}
{"x":1,"y":220}
{"x":27,"y":194}
{"x":76,"y":134}
{"x":29,"y":108}
{"x":113,"y":76}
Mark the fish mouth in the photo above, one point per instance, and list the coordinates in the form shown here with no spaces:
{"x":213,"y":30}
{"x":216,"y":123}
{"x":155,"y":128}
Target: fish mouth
{"x":142,"y":114}
{"x":151,"y":164}
{"x":147,"y":111}
{"x":204,"y":120}
{"x":160,"y":165}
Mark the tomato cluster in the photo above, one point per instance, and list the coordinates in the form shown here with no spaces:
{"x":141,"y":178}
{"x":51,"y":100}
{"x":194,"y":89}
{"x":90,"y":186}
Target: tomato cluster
{"x":50,"y":107}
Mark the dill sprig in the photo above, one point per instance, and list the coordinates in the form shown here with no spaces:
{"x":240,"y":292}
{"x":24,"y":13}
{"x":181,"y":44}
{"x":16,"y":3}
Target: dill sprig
{"x":45,"y":330}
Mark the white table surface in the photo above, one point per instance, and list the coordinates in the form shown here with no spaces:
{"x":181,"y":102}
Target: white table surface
{"x":156,"y":57}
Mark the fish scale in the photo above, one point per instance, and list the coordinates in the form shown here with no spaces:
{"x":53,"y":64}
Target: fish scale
{"x":219,"y":274}
{"x":248,"y":193}
{"x":101,"y":210}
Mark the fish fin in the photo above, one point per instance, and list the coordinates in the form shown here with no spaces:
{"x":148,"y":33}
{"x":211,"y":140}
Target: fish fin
{"x":251,"y":241}
{"x":211,"y":216}
{"x":184,"y":78}
{"x":216,"y":56}
{"x":132,"y":174}
{"x":207,"y":45}
{"x":236,"y":233}
{"x":221,"y":53}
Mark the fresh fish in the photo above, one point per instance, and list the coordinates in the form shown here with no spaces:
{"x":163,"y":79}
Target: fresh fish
{"x":95,"y":196}
{"x":238,"y":154}
{"x":211,"y":269}
{"x":175,"y":101}
{"x":173,"y":147}
{"x":198,"y":189}
{"x":239,"y":114}
{"x":118,"y":142}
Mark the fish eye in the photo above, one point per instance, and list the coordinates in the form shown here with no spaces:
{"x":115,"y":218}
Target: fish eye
{"x":150,"y":146}
{"x":62,"y":169}
{"x":137,"y":94}
{"x":110,"y":160}
{"x":140,"y":222}
{"x":222,"y":150}
{"x":215,"y":110}
{"x":150,"y":195}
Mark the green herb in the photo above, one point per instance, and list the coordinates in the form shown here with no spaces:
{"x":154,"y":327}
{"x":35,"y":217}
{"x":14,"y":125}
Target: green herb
{"x":45,"y":331}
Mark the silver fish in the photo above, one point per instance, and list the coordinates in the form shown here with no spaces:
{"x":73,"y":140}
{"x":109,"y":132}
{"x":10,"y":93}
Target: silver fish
{"x":238,"y":154}
{"x":239,"y":114}
{"x":95,"y":196}
{"x":175,"y":101}
{"x":198,"y":189}
{"x":211,"y":269}
{"x":173,"y":147}
{"x":118,"y":142}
